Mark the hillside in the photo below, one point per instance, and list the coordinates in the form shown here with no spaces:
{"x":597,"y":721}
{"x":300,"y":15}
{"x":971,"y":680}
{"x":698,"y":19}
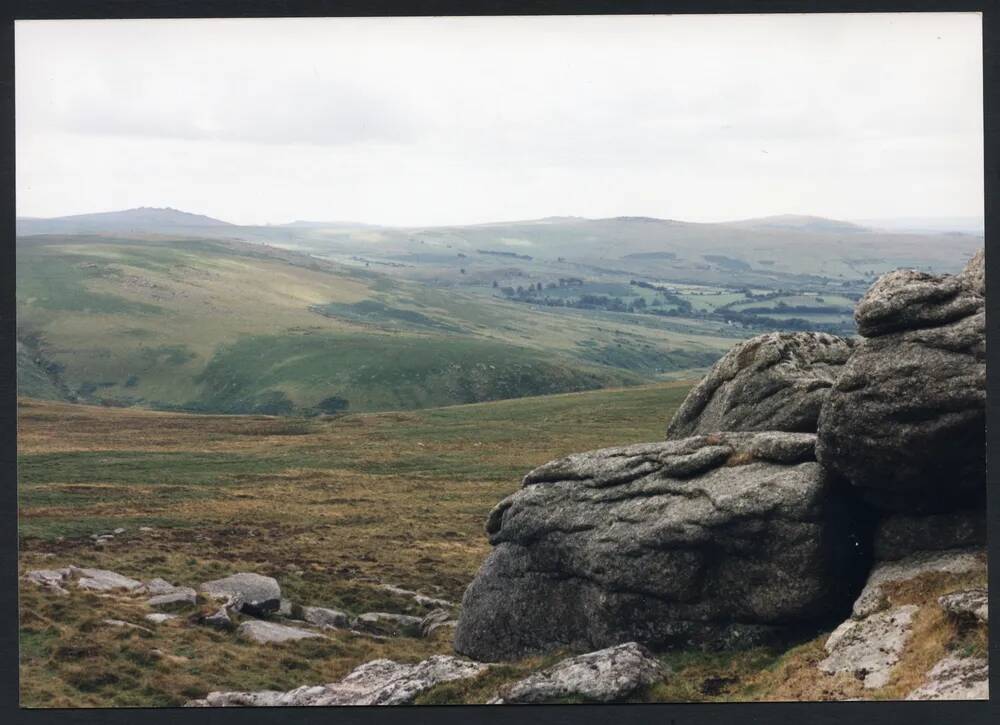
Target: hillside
{"x":129,"y":221}
{"x":233,"y":327}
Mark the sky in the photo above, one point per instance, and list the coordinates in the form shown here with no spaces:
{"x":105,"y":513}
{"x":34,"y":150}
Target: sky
{"x":422,"y":121}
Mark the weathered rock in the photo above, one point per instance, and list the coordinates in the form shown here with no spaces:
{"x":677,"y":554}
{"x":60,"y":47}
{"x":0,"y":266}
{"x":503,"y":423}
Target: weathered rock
{"x":102,"y":580}
{"x":725,"y":540}
{"x":905,"y":422}
{"x":958,"y":561}
{"x":899,"y":535}
{"x":869,"y":648}
{"x":380,"y":682}
{"x":968,"y":605}
{"x":126,"y":625}
{"x":436,"y":620}
{"x":272,"y":633}
{"x":158,"y":586}
{"x":772,"y":382}
{"x":421,"y":599}
{"x":323,"y":617}
{"x":252,"y":594}
{"x":51,"y":579}
{"x":219,"y":619}
{"x":608,"y":675}
{"x":387,"y":623}
{"x":178,"y":598}
{"x":955,"y":678}
{"x":160,"y":617}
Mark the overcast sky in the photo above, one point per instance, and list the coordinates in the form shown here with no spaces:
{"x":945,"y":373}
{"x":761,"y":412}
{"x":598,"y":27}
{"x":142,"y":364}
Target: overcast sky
{"x":459,"y":120}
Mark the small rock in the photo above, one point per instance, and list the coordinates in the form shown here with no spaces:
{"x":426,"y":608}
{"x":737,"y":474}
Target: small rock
{"x":956,"y":561}
{"x":969,"y":605}
{"x":219,"y":620}
{"x":380,"y":682}
{"x":180,"y":597}
{"x":270,"y":633}
{"x":421,"y":599}
{"x":51,"y":579}
{"x":436,"y":620}
{"x":955,"y":678}
{"x":126,"y":625}
{"x":160,"y":617}
{"x":869,"y":648}
{"x":102,"y":580}
{"x":146,"y":529}
{"x":608,"y":675}
{"x":118,"y":531}
{"x":386,"y":623}
{"x":252,"y":594}
{"x":159,"y":586}
{"x":324,"y":617}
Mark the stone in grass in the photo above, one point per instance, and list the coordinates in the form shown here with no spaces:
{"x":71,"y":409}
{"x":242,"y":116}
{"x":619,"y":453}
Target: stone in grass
{"x":271,"y":633}
{"x":379,"y":682}
{"x":159,"y":617}
{"x":969,"y":605}
{"x":219,"y":620}
{"x":157,"y":586}
{"x":869,"y":648}
{"x":388,"y":623}
{"x":955,"y":678}
{"x":178,"y":598}
{"x":608,"y":675}
{"x":102,"y":580}
{"x":250,"y":593}
{"x":126,"y":625}
{"x":323,"y":617}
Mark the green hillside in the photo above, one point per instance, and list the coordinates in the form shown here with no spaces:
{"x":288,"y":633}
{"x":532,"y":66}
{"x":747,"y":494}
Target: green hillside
{"x":224,"y":326}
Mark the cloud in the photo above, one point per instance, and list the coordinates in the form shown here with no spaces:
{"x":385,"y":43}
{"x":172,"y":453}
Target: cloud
{"x":435,"y":120}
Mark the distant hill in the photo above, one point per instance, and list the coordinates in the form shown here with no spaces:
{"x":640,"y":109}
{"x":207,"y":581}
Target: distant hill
{"x":801,"y":222}
{"x":146,"y":220}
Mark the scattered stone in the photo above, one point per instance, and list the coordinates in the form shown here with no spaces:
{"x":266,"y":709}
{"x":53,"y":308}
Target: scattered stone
{"x":608,"y":675}
{"x":905,"y":422}
{"x":388,"y":623}
{"x":969,"y":605}
{"x":869,"y":648}
{"x":324,"y":617}
{"x":160,"y":617}
{"x":178,"y":598}
{"x":721,"y":541}
{"x":272,"y":633}
{"x":421,"y":599}
{"x":146,"y":529}
{"x":899,"y":535}
{"x":118,"y":531}
{"x":252,"y":594}
{"x":955,"y":678}
{"x":380,"y":682}
{"x":50,"y":579}
{"x":435,"y":620}
{"x":777,"y":382}
{"x":219,"y":620}
{"x":872,"y":597}
{"x":126,"y":625}
{"x":159,"y":586}
{"x":102,"y":580}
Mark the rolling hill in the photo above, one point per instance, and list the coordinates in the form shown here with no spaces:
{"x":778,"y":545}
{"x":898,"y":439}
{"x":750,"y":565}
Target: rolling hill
{"x":224,"y":326}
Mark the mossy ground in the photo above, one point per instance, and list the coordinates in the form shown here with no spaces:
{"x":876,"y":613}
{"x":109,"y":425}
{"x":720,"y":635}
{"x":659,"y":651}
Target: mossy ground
{"x":332,"y":507}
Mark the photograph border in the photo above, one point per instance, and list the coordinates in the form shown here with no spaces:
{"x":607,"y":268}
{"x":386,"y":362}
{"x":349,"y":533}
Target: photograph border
{"x":662,"y":713}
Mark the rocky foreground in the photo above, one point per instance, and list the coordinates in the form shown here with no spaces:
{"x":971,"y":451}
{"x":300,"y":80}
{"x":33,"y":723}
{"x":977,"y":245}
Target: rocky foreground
{"x":808,"y":486}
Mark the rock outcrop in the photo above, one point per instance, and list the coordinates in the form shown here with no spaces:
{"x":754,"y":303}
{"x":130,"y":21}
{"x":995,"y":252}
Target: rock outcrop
{"x":726,"y":540}
{"x":969,"y":606}
{"x":900,"y":535}
{"x":955,"y":678}
{"x":870,"y":647}
{"x":252,"y":594}
{"x":380,"y":682}
{"x":608,"y":675}
{"x":272,"y":633}
{"x":905,"y":421}
{"x":772,"y":382}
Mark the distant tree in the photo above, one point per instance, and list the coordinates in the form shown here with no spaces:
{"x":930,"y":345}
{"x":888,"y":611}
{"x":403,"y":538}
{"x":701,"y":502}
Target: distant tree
{"x":639,"y":304}
{"x":495,"y":284}
{"x":462,"y":270}
{"x":507,"y":291}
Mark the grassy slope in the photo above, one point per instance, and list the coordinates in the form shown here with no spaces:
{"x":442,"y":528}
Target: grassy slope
{"x":332,"y":507}
{"x":168,"y":323}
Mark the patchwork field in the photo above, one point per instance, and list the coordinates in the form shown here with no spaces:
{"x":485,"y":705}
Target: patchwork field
{"x":332,"y":507}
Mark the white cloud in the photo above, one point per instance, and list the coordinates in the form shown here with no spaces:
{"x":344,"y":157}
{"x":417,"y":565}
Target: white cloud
{"x":441,"y":120}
